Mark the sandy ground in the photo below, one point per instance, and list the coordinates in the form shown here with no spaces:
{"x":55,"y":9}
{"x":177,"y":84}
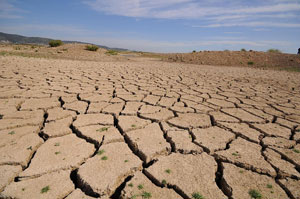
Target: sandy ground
{"x":147,"y":129}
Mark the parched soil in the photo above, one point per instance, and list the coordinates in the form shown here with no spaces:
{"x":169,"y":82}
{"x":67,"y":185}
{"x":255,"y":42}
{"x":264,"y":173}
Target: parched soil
{"x":72,"y":51}
{"x":253,"y":59}
{"x":145,"y":129}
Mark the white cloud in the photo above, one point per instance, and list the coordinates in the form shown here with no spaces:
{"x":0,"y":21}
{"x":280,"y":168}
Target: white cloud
{"x":251,"y":24}
{"x":235,"y":13}
{"x":241,"y":17}
{"x":133,"y":8}
{"x":183,"y":8}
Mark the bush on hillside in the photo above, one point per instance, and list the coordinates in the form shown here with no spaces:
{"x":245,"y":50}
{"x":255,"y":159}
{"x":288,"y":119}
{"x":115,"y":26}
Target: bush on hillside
{"x":92,"y":47}
{"x":112,"y":52}
{"x":55,"y":43}
{"x":273,"y":51}
{"x":250,"y":63}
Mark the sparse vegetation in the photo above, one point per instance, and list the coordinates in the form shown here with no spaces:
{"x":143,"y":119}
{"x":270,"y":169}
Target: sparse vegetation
{"x":56,"y":144}
{"x":57,"y":152}
{"x":92,"y":47}
{"x":23,"y":189}
{"x":168,"y":171}
{"x":272,"y":50}
{"x":104,"y":158}
{"x":146,"y":195}
{"x":140,"y":186}
{"x":194,"y":51}
{"x":250,"y":63}
{"x":111,"y":52}
{"x":291,"y":69}
{"x":197,"y":195}
{"x":164,"y":182}
{"x":55,"y":43}
{"x":133,"y":197}
{"x":130,"y":185}
{"x":254,"y":194}
{"x":126,"y":161}
{"x":243,"y":50}
{"x":45,"y":189}
{"x":29,"y":148}
{"x":235,"y":153}
{"x":2,"y":53}
{"x":296,"y":150}
{"x":133,"y":126}
{"x":269,"y":186}
{"x":102,"y":129}
{"x":11,"y":133}
{"x":100,"y":152}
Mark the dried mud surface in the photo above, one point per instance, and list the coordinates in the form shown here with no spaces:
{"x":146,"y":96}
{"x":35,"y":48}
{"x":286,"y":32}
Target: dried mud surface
{"x":147,"y":129}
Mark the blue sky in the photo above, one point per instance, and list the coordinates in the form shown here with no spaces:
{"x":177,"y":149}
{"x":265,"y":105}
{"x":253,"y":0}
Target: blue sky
{"x":160,"y":25}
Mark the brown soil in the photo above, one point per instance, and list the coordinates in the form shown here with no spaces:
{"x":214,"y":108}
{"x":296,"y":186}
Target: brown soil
{"x":252,"y":59}
{"x":132,"y":127}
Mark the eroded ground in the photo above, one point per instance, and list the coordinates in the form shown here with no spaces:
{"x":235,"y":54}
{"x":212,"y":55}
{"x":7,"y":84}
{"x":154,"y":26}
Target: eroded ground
{"x":83,"y":129}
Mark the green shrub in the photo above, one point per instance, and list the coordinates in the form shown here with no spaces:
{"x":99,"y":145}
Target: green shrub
{"x":55,"y":43}
{"x":140,"y":186}
{"x":45,"y":189}
{"x":273,"y":51}
{"x":104,"y":158}
{"x":112,"y":52}
{"x":92,"y":47}
{"x":197,"y":196}
{"x":100,"y":152}
{"x":250,"y":63}
{"x":243,"y":50}
{"x":146,"y":195}
{"x":296,"y":150}
{"x":255,"y":194}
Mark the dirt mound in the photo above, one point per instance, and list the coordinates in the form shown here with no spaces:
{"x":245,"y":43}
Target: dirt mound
{"x":237,"y":58}
{"x":73,"y":51}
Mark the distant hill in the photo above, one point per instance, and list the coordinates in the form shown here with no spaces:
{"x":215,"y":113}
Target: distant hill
{"x":19,"y":39}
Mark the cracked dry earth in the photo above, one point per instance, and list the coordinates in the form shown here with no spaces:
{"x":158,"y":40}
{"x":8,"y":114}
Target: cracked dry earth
{"x":83,"y":129}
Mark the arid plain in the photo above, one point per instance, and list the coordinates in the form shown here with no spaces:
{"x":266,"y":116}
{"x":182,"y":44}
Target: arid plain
{"x":103,"y":126}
